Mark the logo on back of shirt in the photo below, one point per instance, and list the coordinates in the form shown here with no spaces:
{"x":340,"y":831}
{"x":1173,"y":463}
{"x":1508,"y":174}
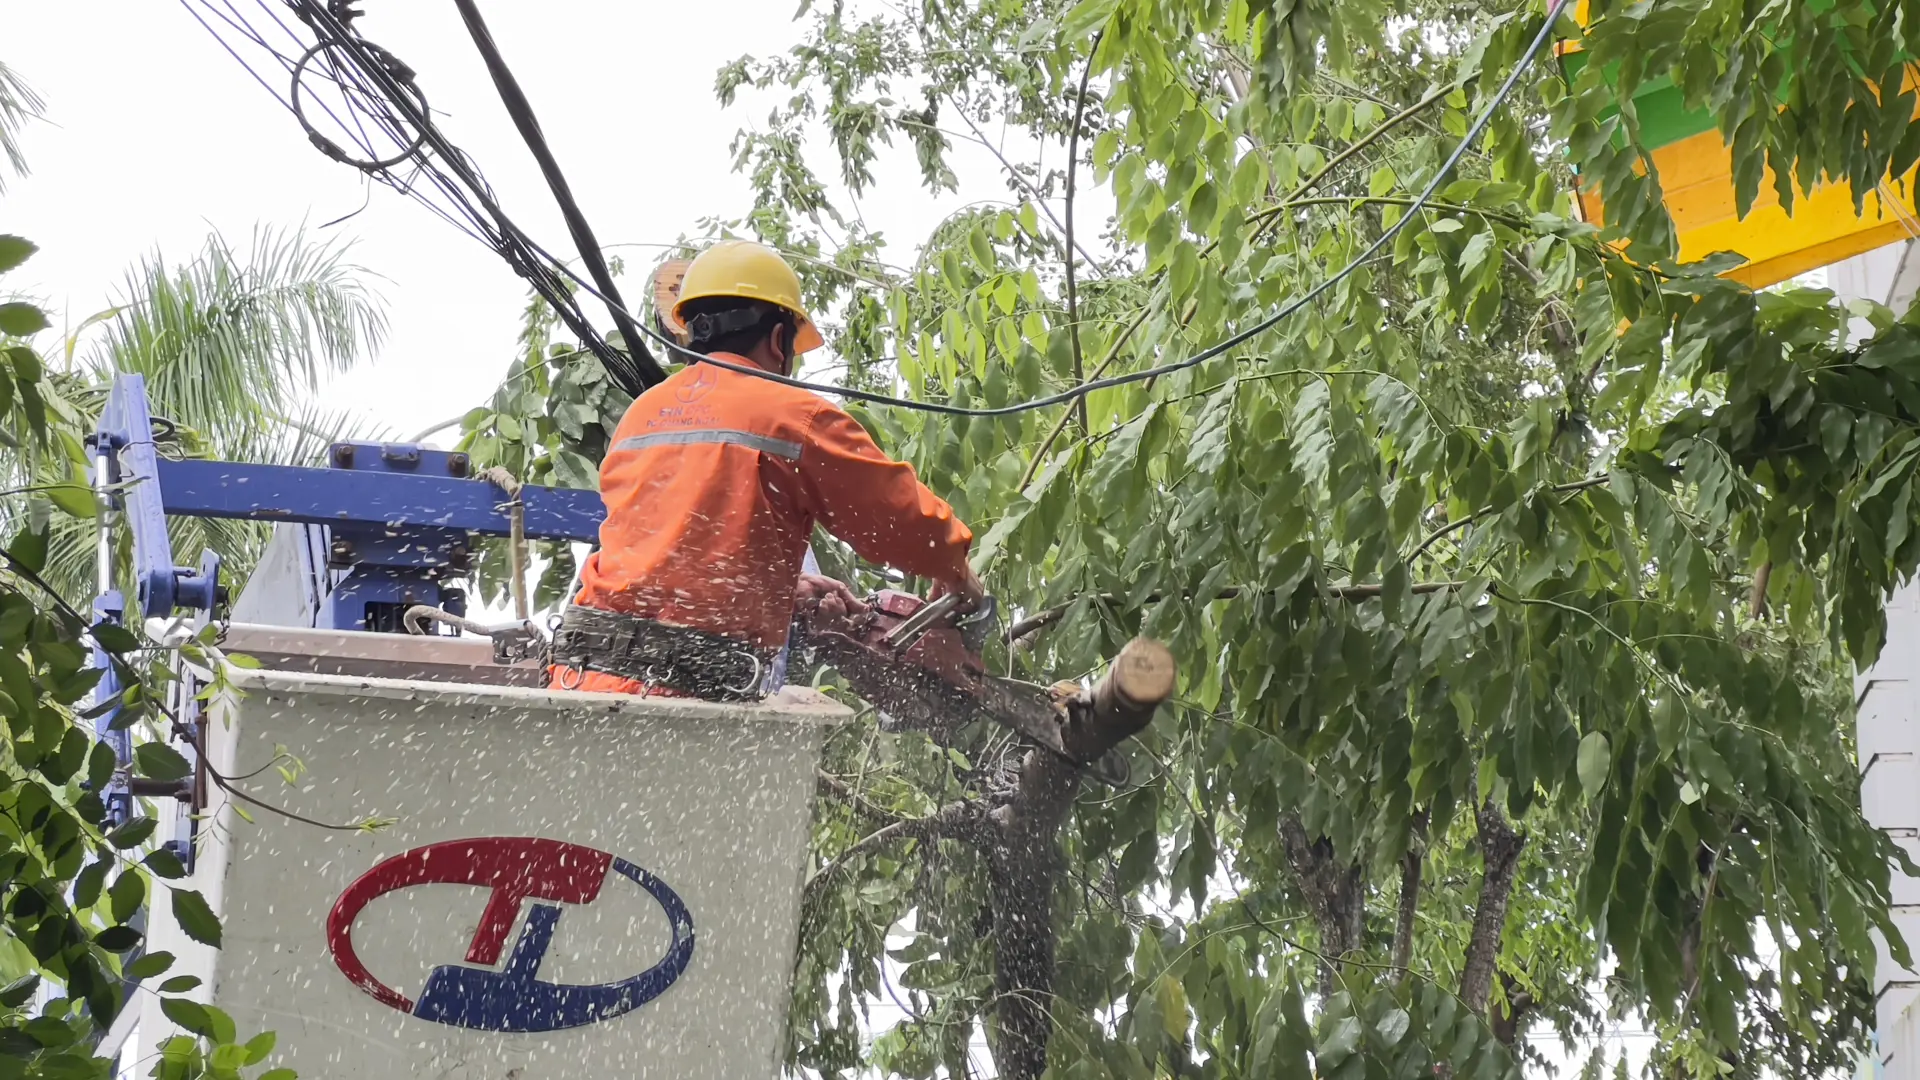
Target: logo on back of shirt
{"x":703,"y":381}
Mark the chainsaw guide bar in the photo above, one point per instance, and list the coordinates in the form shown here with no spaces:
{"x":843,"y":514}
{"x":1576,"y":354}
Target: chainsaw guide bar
{"x":922,"y":673}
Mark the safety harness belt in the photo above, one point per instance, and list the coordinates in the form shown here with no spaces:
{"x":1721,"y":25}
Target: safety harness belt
{"x":708,"y":666}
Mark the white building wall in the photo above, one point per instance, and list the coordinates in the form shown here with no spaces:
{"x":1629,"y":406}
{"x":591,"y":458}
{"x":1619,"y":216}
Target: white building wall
{"x":1888,"y":719}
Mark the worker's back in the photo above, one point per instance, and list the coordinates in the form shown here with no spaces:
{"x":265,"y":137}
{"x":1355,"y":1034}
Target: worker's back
{"x":713,"y":485}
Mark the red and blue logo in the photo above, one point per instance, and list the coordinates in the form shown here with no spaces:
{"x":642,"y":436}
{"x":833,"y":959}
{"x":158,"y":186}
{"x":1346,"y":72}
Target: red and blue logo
{"x":511,"y":999}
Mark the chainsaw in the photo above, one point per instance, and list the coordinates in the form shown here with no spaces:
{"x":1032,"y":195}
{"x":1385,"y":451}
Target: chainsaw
{"x":919,"y":662}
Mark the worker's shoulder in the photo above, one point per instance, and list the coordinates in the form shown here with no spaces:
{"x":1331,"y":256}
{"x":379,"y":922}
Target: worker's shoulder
{"x":769,"y":393}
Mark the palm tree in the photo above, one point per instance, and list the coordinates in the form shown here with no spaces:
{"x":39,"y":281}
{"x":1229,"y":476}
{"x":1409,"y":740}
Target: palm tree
{"x":18,"y":104}
{"x":233,"y":346}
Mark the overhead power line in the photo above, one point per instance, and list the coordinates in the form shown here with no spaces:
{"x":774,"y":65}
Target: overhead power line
{"x":398,"y":110}
{"x":523,"y":119}
{"x":361,"y":105}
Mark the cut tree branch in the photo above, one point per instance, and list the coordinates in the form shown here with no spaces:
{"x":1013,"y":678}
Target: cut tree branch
{"x":1023,"y":854}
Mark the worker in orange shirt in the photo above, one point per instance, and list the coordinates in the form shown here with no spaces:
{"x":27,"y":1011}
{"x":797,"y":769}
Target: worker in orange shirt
{"x":713,"y":484}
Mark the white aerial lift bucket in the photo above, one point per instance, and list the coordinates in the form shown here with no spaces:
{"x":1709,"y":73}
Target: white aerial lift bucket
{"x":572,"y":885}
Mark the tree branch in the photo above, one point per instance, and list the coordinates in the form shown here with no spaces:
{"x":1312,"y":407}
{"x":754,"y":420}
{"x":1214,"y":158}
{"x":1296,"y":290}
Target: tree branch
{"x":956,"y":819}
{"x":1073,"y":173}
{"x":1024,"y":862}
{"x":1412,"y":866}
{"x":1757,"y":596}
{"x":1044,"y":618}
{"x":1510,"y":1021}
{"x":1370,"y":137}
{"x":1113,"y":353}
{"x":1335,"y":889}
{"x":1032,"y":192}
{"x":1500,"y":848}
{"x":1455,"y":526}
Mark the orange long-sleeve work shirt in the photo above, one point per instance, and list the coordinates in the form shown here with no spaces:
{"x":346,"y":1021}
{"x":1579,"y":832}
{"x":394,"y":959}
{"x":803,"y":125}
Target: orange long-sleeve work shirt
{"x":713,"y":484}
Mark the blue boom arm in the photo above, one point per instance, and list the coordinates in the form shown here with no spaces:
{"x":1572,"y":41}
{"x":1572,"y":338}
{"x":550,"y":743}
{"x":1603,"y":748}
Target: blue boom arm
{"x":398,"y":524}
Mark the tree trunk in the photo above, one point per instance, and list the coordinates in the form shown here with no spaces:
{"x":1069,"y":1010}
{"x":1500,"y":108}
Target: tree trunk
{"x":1336,"y":892}
{"x":1024,"y":856}
{"x":1412,"y":865}
{"x":1500,"y":848}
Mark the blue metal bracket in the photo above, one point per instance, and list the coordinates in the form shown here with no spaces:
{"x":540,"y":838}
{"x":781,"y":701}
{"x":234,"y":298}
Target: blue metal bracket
{"x":159,"y":586}
{"x":400,"y":523}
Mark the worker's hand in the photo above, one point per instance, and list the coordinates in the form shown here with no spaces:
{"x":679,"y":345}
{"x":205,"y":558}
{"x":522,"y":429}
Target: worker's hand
{"x":967,"y":587}
{"x":828,"y":599}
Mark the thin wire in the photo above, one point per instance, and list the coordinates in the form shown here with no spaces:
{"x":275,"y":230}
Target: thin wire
{"x":1287,"y":311}
{"x":257,"y":77}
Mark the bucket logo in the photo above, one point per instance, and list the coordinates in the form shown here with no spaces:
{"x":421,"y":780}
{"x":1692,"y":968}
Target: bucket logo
{"x":511,"y":999}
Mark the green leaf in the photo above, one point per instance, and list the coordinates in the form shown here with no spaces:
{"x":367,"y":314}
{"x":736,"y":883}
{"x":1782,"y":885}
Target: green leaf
{"x":164,"y":864}
{"x":14,"y":250}
{"x":981,"y":249}
{"x":21,"y":319}
{"x":115,"y":638}
{"x":1339,"y":1043}
{"x":190,"y":910}
{"x":160,"y":761}
{"x":128,"y":893}
{"x":1249,"y":180}
{"x":1084,"y":18}
{"x":179,"y":984}
{"x":259,"y":1047}
{"x":1594,"y":763}
{"x":133,"y":833}
{"x":20,"y":991}
{"x":86,"y":887}
{"x":1173,"y":1006}
{"x":150,"y":964}
{"x":190,"y":1015}
{"x":1393,"y":1026}
{"x":117,"y":938}
{"x":279,"y":1074}
{"x":26,"y":364}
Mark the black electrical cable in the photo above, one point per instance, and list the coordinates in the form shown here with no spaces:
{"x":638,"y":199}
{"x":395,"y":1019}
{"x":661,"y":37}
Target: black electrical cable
{"x":1287,"y":311}
{"x":327,"y":146}
{"x":517,"y":247}
{"x":507,"y":239}
{"x":521,"y":110}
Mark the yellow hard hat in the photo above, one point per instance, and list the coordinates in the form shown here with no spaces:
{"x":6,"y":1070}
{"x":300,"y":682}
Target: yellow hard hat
{"x":753,"y":271}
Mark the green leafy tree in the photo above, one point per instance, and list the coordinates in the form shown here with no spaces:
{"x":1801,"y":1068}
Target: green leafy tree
{"x":73,"y":893}
{"x":1516,"y":581}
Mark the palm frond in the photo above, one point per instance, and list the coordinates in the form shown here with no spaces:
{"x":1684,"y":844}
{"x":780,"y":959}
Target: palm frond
{"x":233,"y":350}
{"x":18,"y":104}
{"x":226,"y":342}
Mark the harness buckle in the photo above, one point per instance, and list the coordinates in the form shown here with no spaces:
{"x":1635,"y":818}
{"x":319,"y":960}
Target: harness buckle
{"x":752,"y":683}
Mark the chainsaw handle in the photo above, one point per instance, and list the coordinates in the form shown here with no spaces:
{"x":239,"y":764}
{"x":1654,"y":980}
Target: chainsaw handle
{"x":918,"y":623}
